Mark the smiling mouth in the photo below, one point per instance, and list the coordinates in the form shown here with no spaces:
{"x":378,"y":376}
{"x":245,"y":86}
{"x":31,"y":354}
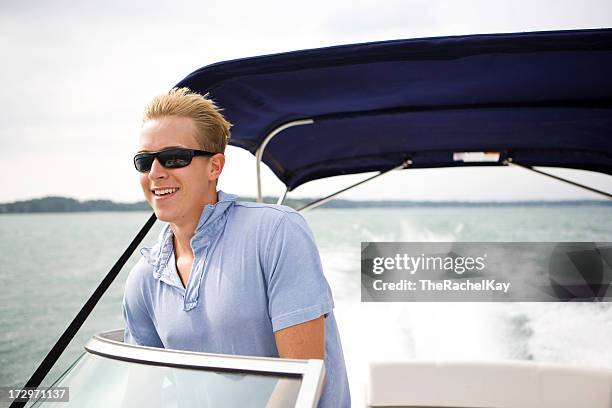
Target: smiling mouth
{"x":163,"y":192}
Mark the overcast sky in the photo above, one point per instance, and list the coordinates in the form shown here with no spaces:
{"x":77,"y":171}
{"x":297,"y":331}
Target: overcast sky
{"x":76,"y":76}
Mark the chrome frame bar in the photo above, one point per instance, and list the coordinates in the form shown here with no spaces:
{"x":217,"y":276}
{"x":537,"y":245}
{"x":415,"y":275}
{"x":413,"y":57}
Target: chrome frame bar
{"x":260,"y":150}
{"x":312,"y":372}
{"x":323,"y":200}
{"x":281,"y":198}
{"x":509,"y":162}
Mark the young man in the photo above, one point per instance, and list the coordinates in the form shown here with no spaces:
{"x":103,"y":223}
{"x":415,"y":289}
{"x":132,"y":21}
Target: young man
{"x":226,"y":276}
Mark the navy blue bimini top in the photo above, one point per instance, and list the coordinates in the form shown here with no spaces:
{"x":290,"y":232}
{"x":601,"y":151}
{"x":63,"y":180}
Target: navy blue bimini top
{"x":538,"y":98}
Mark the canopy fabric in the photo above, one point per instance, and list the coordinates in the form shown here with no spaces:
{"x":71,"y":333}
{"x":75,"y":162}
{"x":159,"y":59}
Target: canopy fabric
{"x":541,"y":99}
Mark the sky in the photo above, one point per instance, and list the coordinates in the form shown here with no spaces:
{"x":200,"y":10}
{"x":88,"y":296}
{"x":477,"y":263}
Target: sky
{"x":76,"y":76}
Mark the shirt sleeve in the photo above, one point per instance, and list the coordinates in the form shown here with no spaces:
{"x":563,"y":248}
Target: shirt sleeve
{"x":139,"y":326}
{"x":297,"y":289}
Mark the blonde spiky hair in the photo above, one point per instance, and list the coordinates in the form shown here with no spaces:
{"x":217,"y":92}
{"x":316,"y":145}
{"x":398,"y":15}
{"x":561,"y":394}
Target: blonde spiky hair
{"x":212,"y":130}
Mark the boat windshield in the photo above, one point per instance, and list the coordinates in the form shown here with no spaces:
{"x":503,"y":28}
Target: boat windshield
{"x":97,"y":381}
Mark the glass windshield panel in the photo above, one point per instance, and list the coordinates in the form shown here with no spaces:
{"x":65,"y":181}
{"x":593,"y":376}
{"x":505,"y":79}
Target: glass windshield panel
{"x":103,"y":382}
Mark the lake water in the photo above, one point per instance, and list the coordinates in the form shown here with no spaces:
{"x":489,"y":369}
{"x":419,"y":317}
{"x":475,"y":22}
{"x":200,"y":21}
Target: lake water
{"x":52,"y":263}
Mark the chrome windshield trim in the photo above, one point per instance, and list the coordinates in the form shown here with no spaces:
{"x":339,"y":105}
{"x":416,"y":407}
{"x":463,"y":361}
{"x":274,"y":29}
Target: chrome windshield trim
{"x":312,"y":372}
{"x":107,"y":344}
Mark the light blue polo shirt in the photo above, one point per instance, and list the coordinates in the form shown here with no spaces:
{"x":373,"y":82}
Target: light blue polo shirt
{"x":256,"y":270}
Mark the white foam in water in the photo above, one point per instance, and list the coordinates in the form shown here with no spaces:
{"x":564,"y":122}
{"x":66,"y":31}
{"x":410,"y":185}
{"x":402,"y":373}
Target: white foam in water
{"x":453,"y":330}
{"x":458,"y":331}
{"x":412,"y":232}
{"x":572,"y":333}
{"x":369,"y":331}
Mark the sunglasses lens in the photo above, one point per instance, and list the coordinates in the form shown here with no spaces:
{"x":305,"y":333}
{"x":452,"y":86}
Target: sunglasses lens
{"x":143,"y":163}
{"x":173,"y":159}
{"x":170,"y":159}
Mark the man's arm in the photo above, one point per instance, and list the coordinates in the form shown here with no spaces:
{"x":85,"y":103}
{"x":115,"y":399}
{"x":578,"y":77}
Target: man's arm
{"x":299,"y":298}
{"x":139,"y":326}
{"x":303,"y":341}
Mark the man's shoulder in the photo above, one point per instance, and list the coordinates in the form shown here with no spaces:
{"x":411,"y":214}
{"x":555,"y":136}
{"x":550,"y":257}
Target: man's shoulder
{"x":250,"y":211}
{"x":255,"y":210}
{"x":142,"y":274}
{"x":253,"y":216}
{"x":275,"y":209}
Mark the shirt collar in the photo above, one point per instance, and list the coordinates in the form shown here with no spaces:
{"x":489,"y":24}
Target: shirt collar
{"x":213,"y":212}
{"x":211,"y":221}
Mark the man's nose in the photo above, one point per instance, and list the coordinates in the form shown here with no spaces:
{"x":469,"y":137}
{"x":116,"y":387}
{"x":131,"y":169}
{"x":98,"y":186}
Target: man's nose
{"x":157,"y":170}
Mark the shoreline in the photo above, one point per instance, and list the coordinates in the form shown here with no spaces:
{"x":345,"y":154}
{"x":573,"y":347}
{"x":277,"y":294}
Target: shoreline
{"x":70,"y":205}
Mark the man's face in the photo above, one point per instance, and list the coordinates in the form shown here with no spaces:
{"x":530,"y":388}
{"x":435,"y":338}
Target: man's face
{"x":193,"y":186}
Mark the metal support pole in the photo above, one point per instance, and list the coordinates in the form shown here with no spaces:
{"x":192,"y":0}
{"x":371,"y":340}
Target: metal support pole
{"x":573,"y":183}
{"x":281,"y":198}
{"x":323,"y":200}
{"x":260,"y":150}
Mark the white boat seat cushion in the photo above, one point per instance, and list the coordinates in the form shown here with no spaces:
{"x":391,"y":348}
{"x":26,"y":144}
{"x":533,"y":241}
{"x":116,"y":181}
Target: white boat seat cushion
{"x":509,"y":384}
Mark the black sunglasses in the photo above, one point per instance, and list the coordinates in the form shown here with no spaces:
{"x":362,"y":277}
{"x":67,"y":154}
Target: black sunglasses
{"x":170,"y":158}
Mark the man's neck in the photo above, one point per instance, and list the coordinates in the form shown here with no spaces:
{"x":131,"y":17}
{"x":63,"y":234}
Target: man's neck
{"x":184,"y":232}
{"x":182,"y":240}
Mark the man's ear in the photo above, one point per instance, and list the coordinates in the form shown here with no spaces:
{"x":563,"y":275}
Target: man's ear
{"x":216,"y":166}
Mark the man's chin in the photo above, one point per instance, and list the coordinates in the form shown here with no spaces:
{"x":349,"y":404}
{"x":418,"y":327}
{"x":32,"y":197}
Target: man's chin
{"x":164,"y":215}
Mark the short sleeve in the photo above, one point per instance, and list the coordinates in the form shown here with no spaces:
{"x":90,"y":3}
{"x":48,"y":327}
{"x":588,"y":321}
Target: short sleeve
{"x":139,"y":327}
{"x":297,"y":289}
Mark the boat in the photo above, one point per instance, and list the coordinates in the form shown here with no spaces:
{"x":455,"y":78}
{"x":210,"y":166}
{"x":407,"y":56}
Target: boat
{"x":529,"y":100}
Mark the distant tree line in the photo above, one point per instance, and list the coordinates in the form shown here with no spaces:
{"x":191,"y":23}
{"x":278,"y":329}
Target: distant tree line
{"x":65,"y":204}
